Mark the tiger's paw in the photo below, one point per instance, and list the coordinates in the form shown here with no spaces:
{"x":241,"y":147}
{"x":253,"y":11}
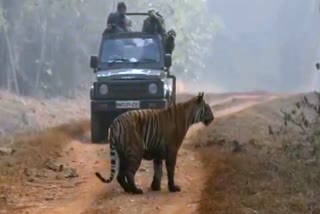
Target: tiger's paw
{"x":127,"y":189}
{"x":156,"y":186}
{"x":137,"y":191}
{"x":174,"y":188}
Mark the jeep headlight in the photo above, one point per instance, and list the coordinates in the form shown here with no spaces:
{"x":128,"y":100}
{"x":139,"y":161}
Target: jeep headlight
{"x":103,"y":89}
{"x":153,"y":88}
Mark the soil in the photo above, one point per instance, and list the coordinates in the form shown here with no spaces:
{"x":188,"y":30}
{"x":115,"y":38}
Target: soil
{"x":52,"y":170}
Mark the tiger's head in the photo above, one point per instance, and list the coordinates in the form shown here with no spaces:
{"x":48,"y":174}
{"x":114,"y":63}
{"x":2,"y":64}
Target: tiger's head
{"x":202,"y":111}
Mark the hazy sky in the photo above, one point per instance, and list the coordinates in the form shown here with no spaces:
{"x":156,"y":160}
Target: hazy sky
{"x":269,"y":45}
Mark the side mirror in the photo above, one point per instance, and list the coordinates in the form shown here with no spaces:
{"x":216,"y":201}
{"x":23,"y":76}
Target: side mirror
{"x":167,"y":60}
{"x":318,"y":66}
{"x":93,"y":62}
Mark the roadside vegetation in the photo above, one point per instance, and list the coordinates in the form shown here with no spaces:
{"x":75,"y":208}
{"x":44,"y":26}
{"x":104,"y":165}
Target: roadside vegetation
{"x":274,"y":168}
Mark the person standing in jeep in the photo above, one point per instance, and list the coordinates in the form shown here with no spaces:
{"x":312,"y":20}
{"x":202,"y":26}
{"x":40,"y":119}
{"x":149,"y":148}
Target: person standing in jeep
{"x":155,"y":24}
{"x":119,"y":20}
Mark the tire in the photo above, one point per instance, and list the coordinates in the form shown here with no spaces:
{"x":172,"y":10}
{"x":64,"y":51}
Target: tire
{"x":96,"y":127}
{"x":100,"y":123}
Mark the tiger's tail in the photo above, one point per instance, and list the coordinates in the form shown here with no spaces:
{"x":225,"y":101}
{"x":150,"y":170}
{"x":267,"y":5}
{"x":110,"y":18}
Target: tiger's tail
{"x":114,"y":160}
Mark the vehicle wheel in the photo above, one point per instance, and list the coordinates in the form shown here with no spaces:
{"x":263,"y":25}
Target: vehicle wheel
{"x":100,"y":123}
{"x":107,"y":121}
{"x":96,"y":127}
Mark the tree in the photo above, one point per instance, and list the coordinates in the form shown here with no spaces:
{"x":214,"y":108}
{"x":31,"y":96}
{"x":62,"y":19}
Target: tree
{"x":193,"y":36}
{"x":51,"y":41}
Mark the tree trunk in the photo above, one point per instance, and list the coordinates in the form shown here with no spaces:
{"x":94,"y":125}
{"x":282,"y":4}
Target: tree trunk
{"x":43,"y":52}
{"x":13,"y":75}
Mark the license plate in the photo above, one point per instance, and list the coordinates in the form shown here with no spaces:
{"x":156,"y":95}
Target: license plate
{"x":127,"y":104}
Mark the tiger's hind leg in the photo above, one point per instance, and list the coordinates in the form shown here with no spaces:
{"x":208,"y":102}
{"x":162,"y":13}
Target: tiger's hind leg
{"x":130,"y":174}
{"x":170,"y":165}
{"x":122,"y":177}
{"x":122,"y":181}
{"x":157,"y":168}
{"x":133,"y":163}
{"x":133,"y":156}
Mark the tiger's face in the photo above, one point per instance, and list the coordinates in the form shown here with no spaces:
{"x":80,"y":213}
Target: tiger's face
{"x":203,"y":112}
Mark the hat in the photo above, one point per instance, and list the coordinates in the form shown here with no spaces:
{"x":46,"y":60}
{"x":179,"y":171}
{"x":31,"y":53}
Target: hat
{"x":172,"y":33}
{"x":151,"y":9}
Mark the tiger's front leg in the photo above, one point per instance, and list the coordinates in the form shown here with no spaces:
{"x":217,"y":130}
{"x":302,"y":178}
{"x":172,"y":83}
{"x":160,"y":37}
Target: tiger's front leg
{"x":171,"y":165}
{"x":157,"y":168}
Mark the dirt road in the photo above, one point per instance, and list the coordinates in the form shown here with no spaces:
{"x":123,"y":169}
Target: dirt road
{"x":84,"y":193}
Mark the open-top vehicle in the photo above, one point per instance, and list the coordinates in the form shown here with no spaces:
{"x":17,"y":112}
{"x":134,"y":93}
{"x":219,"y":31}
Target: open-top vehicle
{"x":132,"y":72}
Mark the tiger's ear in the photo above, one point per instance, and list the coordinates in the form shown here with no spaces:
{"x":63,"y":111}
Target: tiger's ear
{"x":200,"y":97}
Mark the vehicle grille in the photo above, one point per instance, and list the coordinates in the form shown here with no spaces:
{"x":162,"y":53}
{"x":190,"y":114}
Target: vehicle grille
{"x":123,"y":90}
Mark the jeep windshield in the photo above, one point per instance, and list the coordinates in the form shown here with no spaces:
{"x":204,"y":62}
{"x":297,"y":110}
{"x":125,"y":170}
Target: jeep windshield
{"x":130,"y":51}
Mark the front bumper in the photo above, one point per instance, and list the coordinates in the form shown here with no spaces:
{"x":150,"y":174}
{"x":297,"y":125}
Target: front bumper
{"x":110,"y":105}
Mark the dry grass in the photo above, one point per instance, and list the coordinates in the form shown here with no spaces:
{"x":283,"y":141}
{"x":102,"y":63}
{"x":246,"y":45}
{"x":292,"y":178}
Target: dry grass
{"x":250,"y":183}
{"x":25,"y":114}
{"x":31,"y":149}
{"x":31,"y":152}
{"x":264,"y":177}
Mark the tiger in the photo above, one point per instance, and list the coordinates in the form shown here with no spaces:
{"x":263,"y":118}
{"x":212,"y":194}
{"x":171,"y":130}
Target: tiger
{"x":152,"y":134}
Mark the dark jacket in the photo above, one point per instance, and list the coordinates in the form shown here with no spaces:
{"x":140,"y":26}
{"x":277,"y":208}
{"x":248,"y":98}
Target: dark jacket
{"x":120,"y":20}
{"x":154,"y":25}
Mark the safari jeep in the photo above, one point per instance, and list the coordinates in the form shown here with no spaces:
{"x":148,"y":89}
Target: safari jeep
{"x":132,"y":72}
